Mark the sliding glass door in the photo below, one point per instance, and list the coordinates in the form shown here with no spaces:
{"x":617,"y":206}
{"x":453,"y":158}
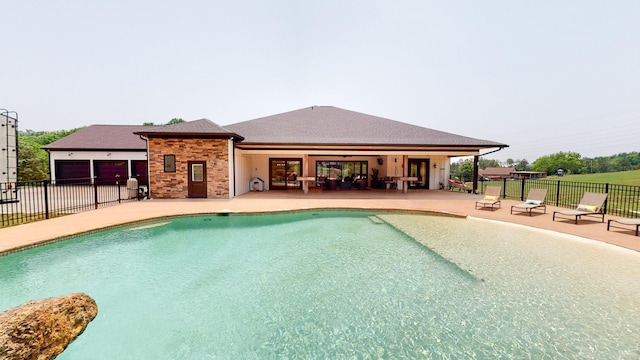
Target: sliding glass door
{"x":419,"y":168}
{"x":284,"y":174}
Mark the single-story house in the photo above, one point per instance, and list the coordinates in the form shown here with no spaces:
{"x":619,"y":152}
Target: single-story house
{"x":318,"y":147}
{"x":529,"y":174}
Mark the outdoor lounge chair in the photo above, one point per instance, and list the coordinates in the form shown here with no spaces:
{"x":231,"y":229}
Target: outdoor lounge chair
{"x":535,"y":200}
{"x":491,"y":197}
{"x":625,"y":221}
{"x":591,"y":204}
{"x":458,"y":185}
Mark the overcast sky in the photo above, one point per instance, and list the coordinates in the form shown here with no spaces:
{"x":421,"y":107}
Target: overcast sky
{"x":541,"y":76}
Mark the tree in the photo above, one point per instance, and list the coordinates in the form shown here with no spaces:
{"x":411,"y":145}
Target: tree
{"x":522,"y":165}
{"x":175,"y":121}
{"x":569,"y":162}
{"x":466,"y":170}
{"x":485,"y":163}
{"x":33,"y":161}
{"x":171,"y":122}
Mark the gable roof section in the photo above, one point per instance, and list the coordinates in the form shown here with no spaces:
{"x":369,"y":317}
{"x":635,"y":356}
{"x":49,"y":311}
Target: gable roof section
{"x":328,"y":125}
{"x":202,"y":127}
{"x":102,"y":137}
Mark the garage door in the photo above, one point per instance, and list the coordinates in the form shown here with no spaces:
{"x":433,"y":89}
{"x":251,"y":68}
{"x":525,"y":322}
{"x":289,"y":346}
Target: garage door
{"x":106,"y":171}
{"x":139,"y":171}
{"x":72,"y":171}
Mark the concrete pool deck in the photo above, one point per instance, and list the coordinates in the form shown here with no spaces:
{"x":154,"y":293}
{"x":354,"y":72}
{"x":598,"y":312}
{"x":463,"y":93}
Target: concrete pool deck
{"x":435,"y":201}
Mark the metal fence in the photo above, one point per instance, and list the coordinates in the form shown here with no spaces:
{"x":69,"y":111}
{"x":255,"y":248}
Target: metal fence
{"x":622,"y":200}
{"x":38,"y":200}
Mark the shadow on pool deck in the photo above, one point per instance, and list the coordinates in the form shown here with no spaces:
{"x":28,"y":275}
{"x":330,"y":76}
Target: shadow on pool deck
{"x":436,"y":201}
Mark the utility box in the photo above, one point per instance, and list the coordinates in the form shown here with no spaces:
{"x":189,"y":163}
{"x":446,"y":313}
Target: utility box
{"x":132,"y":188}
{"x":256,"y":184}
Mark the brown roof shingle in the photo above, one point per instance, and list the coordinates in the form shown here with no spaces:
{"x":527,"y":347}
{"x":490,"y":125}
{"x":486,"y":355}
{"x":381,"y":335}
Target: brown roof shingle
{"x":102,"y":137}
{"x":316,"y":125}
{"x":331,"y":125}
{"x":196,"y":127}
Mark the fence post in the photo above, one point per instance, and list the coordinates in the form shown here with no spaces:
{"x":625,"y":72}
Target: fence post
{"x":522,"y":190}
{"x":118,"y":186}
{"x":45,"y":184}
{"x":504,"y":188}
{"x":606,"y":190}
{"x":558,"y":193}
{"x":95,"y":193}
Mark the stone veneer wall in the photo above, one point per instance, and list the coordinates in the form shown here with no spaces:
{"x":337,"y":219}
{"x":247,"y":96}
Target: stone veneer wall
{"x":174,"y":185}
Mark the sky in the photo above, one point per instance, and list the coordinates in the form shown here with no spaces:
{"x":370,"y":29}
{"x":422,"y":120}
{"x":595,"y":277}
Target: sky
{"x":540,"y":76}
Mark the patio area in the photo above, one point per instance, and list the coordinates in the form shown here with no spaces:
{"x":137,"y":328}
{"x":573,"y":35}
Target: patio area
{"x":429,"y":201}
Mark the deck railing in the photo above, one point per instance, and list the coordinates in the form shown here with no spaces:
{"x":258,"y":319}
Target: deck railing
{"x":622,"y":200}
{"x":38,"y":200}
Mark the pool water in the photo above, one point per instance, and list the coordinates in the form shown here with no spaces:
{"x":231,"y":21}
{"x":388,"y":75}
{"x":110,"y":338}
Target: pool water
{"x":327,"y":284}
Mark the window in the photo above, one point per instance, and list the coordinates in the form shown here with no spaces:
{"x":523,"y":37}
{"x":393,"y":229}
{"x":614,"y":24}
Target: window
{"x":169,"y":163}
{"x":337,"y":170}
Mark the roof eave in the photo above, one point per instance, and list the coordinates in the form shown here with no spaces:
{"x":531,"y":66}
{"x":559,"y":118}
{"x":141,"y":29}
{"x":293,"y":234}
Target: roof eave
{"x":266,"y":146}
{"x":155,"y":134}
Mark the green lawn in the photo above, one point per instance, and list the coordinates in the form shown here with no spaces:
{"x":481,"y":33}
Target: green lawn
{"x":618,"y":178}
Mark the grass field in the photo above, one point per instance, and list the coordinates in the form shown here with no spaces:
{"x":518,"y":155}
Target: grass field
{"x":619,"y":178}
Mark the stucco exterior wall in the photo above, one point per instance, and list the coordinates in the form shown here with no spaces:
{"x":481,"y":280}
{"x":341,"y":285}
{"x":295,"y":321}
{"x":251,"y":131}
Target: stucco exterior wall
{"x":174,"y":185}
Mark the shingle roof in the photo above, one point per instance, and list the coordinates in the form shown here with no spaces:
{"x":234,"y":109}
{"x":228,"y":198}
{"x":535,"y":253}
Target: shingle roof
{"x":316,"y":125}
{"x":329,"y":125}
{"x":496,"y":171}
{"x":196,"y":127}
{"x":102,"y":137}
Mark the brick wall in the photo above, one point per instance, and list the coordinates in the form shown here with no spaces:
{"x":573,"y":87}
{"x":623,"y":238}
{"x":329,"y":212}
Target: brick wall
{"x":174,"y":185}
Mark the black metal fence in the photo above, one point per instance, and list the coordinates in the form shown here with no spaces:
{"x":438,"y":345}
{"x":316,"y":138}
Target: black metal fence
{"x":622,"y":200}
{"x":38,"y":200}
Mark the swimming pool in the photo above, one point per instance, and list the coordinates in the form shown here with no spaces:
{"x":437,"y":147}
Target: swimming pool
{"x":338,"y":284}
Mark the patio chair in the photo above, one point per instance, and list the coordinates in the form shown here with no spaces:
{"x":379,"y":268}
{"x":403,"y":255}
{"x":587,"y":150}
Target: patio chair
{"x":590,"y":205}
{"x":535,"y":200}
{"x":491,"y":197}
{"x":625,"y":221}
{"x":458,"y":185}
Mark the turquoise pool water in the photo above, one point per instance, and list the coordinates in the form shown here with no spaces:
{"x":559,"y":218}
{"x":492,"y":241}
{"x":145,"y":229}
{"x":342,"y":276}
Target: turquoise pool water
{"x":338,"y":285}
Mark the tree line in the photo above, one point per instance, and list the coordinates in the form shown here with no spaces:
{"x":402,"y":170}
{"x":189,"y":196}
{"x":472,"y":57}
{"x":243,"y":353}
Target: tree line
{"x":33,"y":161}
{"x":569,"y":162}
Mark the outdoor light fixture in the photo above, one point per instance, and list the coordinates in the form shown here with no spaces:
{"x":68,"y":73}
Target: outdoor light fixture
{"x":435,"y":165}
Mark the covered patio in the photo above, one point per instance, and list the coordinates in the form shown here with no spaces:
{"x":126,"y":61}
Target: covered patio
{"x":328,"y":148}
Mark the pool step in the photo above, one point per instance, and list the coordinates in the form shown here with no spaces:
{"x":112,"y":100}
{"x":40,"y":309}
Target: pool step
{"x":148,"y":226}
{"x":375,"y":219}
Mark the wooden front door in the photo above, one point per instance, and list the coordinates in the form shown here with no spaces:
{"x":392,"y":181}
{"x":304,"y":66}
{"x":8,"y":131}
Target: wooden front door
{"x":197,"y":179}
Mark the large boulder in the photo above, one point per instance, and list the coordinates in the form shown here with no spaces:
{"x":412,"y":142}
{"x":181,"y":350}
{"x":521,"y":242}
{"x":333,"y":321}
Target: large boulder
{"x":42,"y":329}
